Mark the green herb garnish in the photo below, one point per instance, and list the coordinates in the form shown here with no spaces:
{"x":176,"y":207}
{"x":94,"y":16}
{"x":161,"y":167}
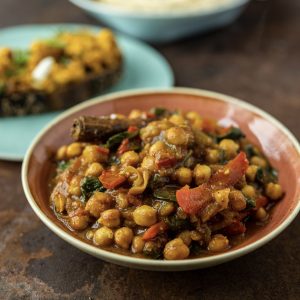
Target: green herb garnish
{"x":89,"y":185}
{"x":20,"y":57}
{"x":63,"y":165}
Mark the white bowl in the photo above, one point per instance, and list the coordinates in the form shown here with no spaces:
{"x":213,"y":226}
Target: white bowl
{"x":162,"y":27}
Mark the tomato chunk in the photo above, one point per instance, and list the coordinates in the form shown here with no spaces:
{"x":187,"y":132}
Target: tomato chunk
{"x":236,"y":227}
{"x":132,"y":128}
{"x":261,"y":202}
{"x":232,"y":172}
{"x":110,"y":179}
{"x":102,"y":150}
{"x":153,"y":230}
{"x":192,"y":201}
{"x":166,"y":162}
{"x":124,"y":147}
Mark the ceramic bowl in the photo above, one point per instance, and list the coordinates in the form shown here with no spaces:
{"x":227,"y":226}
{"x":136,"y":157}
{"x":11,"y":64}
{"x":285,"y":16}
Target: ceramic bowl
{"x":272,"y":137}
{"x":162,"y":27}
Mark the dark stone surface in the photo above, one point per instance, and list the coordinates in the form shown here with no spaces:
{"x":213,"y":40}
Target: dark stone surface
{"x":256,"y":59}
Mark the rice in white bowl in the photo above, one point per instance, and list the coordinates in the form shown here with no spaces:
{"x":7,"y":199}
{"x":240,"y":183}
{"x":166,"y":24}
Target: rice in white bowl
{"x":166,"y":5}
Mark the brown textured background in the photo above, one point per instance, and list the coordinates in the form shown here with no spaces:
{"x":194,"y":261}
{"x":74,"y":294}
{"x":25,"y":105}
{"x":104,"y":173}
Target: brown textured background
{"x":256,"y":59}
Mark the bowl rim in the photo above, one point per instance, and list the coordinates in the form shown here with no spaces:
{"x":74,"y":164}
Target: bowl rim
{"x":143,"y":262}
{"x":98,"y":7}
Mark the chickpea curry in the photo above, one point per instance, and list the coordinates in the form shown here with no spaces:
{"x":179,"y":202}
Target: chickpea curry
{"x":161,"y":184}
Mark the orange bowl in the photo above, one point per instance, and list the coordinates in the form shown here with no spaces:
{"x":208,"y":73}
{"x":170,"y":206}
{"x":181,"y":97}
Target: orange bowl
{"x":278,"y":144}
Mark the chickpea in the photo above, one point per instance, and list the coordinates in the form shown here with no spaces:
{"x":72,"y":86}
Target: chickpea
{"x":130,"y":158}
{"x":212,"y":156}
{"x":218,"y":243}
{"x":74,"y":187}
{"x":95,"y":169}
{"x":73,"y":150}
{"x":135,"y":113}
{"x":230,"y":147}
{"x":249,"y":191}
{"x":157,"y":147}
{"x":110,"y":218}
{"x":128,"y":214}
{"x":144,"y":215}
{"x":89,"y":235}
{"x":149,"y":163}
{"x":166,"y":209}
{"x":176,"y":136}
{"x":258,"y":161}
{"x":196,"y":235}
{"x":150,"y":131}
{"x":186,"y":237}
{"x":92,"y":154}
{"x":177,"y":119}
{"x":261,"y":214}
{"x":98,"y":203}
{"x":103,"y":236}
{"x":193,"y":115}
{"x":274,"y":191}
{"x":59,"y":203}
{"x":222,"y":198}
{"x":251,"y":172}
{"x":176,"y":249}
{"x":61,"y":153}
{"x":122,"y":201}
{"x":201,"y":173}
{"x":150,"y":247}
{"x":237,"y":200}
{"x":79,"y":222}
{"x":123,"y":237}
{"x":197,"y":124}
{"x":137,"y":244}
{"x":183,"y":175}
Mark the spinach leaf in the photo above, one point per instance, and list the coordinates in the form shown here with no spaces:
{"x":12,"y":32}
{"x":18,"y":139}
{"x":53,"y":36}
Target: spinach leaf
{"x":196,"y":249}
{"x":184,"y":163}
{"x":153,"y":253}
{"x":117,"y":139}
{"x":158,"y":111}
{"x":234,"y":134}
{"x":158,"y":181}
{"x":63,"y":165}
{"x":251,"y":203}
{"x":249,"y":150}
{"x":265,"y":176}
{"x":175,"y":224}
{"x":89,"y":185}
{"x":168,"y":193}
{"x":2,"y":88}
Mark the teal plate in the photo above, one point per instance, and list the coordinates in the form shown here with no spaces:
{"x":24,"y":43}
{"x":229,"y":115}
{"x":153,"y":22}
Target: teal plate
{"x":144,"y":67}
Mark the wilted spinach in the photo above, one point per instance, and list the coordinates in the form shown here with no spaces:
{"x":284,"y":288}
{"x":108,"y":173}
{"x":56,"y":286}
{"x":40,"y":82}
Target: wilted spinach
{"x":234,"y":133}
{"x":117,"y":139}
{"x":89,"y":185}
{"x":168,"y":193}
